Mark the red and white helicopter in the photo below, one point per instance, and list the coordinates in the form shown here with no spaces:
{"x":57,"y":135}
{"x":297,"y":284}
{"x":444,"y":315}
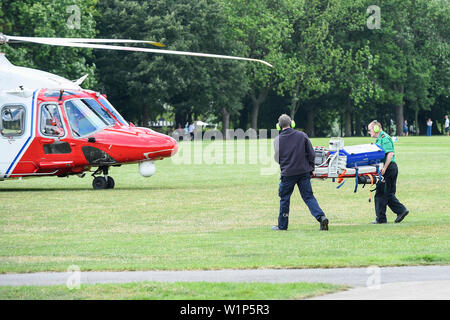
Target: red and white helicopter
{"x":50,"y":126}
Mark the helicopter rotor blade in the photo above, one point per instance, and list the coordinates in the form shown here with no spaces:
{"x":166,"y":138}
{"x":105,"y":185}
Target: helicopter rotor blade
{"x":80,"y":40}
{"x":64,"y":43}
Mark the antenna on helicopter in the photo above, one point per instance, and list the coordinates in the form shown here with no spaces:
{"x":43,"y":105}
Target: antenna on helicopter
{"x":81,"y":80}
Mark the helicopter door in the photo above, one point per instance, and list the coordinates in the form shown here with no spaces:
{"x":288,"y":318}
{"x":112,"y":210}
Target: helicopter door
{"x":16,"y":134}
{"x":51,"y":126}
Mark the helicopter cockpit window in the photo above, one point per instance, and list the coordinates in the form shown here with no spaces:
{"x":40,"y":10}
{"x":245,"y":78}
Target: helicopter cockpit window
{"x":113,"y":110}
{"x":99,"y":110}
{"x":83,"y":121}
{"x":12,"y":121}
{"x":51,"y":124}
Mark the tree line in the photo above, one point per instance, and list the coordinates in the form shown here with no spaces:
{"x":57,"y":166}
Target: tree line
{"x":337,"y":64}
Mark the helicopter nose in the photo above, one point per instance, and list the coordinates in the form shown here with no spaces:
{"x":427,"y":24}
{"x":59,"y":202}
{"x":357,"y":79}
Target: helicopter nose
{"x":170,"y":145}
{"x":174,"y":145}
{"x":162,"y":146}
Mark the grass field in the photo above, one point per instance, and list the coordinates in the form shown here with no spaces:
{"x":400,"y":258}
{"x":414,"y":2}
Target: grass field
{"x":211,"y":215}
{"x":172,"y":291}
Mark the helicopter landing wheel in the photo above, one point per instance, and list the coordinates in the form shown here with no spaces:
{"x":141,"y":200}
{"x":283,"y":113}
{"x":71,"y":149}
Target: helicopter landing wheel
{"x":99,"y":183}
{"x":110,"y":183}
{"x":103,"y":183}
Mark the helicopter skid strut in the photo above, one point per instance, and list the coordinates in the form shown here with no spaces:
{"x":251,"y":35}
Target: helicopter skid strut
{"x":102,"y":182}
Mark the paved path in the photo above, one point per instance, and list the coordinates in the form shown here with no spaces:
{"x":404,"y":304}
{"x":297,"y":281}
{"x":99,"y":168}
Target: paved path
{"x":414,"y":282}
{"x":415,"y":290}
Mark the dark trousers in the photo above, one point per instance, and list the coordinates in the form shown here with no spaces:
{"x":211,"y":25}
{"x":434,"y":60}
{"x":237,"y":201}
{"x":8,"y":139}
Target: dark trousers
{"x":385,"y":194}
{"x":285,"y":190}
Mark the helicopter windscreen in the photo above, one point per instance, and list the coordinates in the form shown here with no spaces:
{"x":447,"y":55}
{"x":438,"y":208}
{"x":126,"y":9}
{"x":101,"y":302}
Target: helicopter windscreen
{"x":83,"y":121}
{"x":99,"y":110}
{"x":113,"y":110}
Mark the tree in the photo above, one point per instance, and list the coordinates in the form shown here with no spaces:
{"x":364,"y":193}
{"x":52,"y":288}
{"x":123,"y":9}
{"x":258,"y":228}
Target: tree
{"x":137,"y":83}
{"x":308,"y":56}
{"x":409,"y":31}
{"x":258,"y":28}
{"x":432,"y":38}
{"x":353,"y":75}
{"x":193,"y":86}
{"x":46,"y":18}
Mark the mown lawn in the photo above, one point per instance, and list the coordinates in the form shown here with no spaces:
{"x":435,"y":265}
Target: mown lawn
{"x":214,"y":212}
{"x":171,"y":291}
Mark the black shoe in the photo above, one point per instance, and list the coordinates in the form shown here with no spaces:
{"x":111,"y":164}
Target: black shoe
{"x":323,"y":223}
{"x":402,"y":216}
{"x":377,"y":222}
{"x":275,"y":228}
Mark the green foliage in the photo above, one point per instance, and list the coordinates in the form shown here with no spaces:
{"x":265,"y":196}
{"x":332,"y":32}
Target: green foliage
{"x":258,"y":29}
{"x":192,"y":85}
{"x":328,"y":63}
{"x":48,"y":18}
{"x":411,"y":35}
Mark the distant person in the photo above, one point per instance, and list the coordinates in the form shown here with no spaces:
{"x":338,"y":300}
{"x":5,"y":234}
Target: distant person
{"x":364,"y":130}
{"x":411,"y":129}
{"x":405,"y":128}
{"x":446,"y":125}
{"x":429,"y":126}
{"x":385,"y":191}
{"x":295,"y":154}
{"x":191,"y":130}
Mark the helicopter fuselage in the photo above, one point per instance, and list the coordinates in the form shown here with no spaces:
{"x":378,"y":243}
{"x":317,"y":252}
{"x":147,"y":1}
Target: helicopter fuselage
{"x":50,"y":126}
{"x":49,"y":132}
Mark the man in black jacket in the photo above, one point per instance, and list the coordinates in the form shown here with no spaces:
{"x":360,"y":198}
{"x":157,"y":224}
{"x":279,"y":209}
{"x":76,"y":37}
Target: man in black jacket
{"x":295,"y":154}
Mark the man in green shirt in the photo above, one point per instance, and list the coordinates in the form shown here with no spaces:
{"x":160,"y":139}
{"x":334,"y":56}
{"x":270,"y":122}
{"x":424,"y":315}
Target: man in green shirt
{"x":385,"y":193}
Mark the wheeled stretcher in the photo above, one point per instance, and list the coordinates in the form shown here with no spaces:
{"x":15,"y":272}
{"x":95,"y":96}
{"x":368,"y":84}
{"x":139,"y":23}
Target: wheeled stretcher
{"x":362,"y":162}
